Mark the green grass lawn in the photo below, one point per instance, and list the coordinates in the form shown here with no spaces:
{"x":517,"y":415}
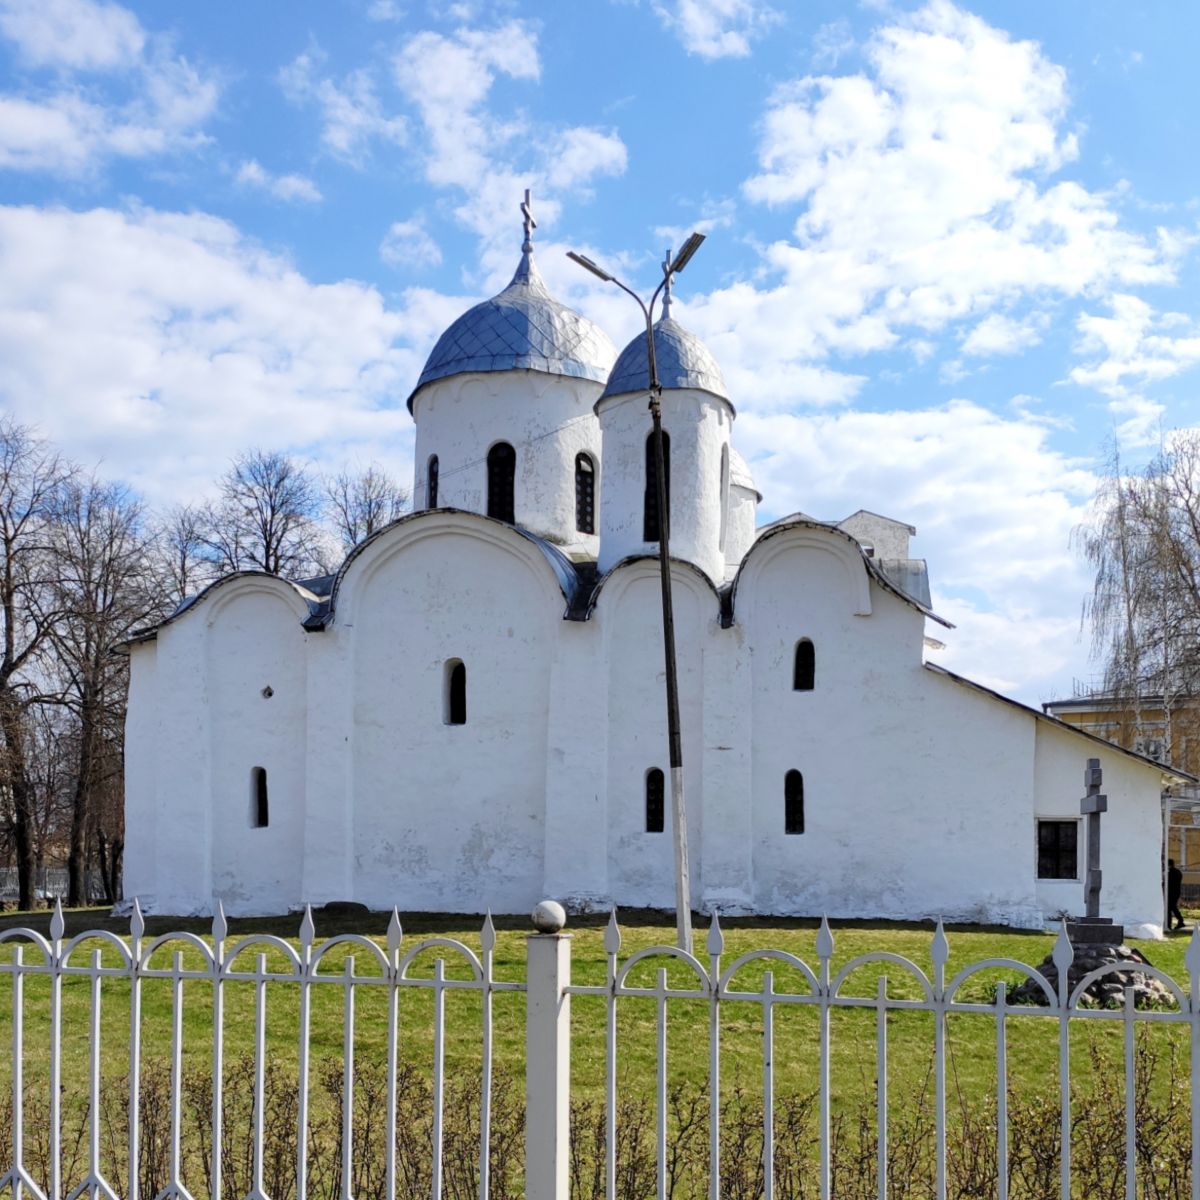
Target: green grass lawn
{"x":1032,"y":1040}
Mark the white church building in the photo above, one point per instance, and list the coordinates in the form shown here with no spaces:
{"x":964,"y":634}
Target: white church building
{"x":471,"y":713}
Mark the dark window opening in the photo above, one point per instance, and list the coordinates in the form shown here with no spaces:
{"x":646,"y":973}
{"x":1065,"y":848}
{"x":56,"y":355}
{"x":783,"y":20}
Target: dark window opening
{"x":501,"y":481}
{"x":585,"y":494}
{"x":1057,"y":847}
{"x":805,"y":670}
{"x":259,"y":815}
{"x":793,"y":802}
{"x":431,"y":483}
{"x":456,"y":693}
{"x":650,"y":506}
{"x":655,"y":807}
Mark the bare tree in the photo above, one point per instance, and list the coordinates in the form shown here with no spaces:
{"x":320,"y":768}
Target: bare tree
{"x":105,"y":590}
{"x":31,"y":476}
{"x":266,"y":517}
{"x":181,"y":552}
{"x":361,"y":503}
{"x":1144,"y":547}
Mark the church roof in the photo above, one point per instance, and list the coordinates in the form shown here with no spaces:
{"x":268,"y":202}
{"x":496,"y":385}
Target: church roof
{"x":739,"y":473}
{"x":524,"y":327}
{"x":683,"y":361}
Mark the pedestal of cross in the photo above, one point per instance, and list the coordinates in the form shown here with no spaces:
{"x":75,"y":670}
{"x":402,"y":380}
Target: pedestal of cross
{"x":1092,"y":927}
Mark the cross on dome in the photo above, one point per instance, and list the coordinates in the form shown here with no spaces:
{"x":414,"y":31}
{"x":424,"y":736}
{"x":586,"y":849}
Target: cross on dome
{"x":530,"y":223}
{"x":670,"y":281}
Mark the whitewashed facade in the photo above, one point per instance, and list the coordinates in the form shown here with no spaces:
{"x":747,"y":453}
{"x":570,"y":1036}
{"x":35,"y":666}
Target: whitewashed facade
{"x":292,"y":744}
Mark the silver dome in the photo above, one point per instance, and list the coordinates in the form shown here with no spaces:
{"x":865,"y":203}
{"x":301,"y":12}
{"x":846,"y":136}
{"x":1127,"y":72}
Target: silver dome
{"x":522,"y":327}
{"x":683,"y":361}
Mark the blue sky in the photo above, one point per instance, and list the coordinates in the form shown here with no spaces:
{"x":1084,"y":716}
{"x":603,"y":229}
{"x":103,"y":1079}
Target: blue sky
{"x":950,"y":250}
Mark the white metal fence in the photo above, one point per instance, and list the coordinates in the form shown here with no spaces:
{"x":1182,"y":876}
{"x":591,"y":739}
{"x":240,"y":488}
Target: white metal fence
{"x":80,"y":972}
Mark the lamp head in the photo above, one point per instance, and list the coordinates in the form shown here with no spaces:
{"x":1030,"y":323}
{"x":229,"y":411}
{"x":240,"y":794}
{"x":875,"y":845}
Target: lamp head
{"x":587,"y":264}
{"x":686,"y":251}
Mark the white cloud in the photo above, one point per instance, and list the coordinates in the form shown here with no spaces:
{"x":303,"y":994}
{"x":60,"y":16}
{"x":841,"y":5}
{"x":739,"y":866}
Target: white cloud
{"x":169,"y":342}
{"x":408,"y":245}
{"x":580,"y":153}
{"x":384,"y":10}
{"x":139,"y":101}
{"x":352,"y":117}
{"x":922,"y":194}
{"x":999,"y":334}
{"x":717,"y":28}
{"x":283,"y":187}
{"x":1133,"y":348}
{"x":77,"y":34}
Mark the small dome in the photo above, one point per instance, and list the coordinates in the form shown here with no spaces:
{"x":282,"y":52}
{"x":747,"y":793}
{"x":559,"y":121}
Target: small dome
{"x":683,"y":361}
{"x":739,"y":473}
{"x":522,"y":327}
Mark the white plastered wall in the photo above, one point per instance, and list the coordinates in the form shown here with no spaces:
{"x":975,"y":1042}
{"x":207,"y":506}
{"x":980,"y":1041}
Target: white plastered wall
{"x":449,"y":817}
{"x":547,"y":419}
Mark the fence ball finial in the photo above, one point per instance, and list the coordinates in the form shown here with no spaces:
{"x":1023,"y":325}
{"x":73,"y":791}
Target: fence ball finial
{"x":549,"y":916}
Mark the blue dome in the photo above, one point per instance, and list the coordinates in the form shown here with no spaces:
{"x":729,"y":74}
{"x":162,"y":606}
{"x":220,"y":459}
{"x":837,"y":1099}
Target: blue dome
{"x":522,"y":328}
{"x":683,"y":361}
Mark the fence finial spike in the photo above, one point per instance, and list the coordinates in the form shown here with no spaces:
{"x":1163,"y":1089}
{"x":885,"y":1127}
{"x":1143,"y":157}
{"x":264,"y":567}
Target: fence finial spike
{"x":716,"y":939}
{"x":308,"y":929}
{"x":612,"y":934}
{"x":1063,"y":956}
{"x":57,"y":925}
{"x":1192,"y":958}
{"x":394,"y":933}
{"x":220,"y":926}
{"x":487,"y":936}
{"x":824,"y":939}
{"x":940,"y":950}
{"x":137,"y":922}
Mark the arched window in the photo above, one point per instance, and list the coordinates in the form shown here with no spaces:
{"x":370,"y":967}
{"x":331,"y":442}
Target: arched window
{"x":455,"y":701}
{"x":585,"y":494}
{"x":793,"y":802}
{"x":655,"y":809}
{"x":502,"y":474}
{"x":805,"y":670}
{"x":650,"y":507}
{"x":259,"y":814}
{"x":431,"y":482}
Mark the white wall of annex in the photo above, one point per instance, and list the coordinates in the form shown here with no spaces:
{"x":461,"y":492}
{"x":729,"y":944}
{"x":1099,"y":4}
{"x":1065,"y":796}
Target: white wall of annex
{"x":1130,"y":837}
{"x":256,"y":642}
{"x":142,"y":739}
{"x":449,"y":817}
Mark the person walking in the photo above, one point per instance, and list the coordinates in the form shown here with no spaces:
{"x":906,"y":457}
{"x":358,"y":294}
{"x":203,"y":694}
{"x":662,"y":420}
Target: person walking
{"x":1174,"y":888}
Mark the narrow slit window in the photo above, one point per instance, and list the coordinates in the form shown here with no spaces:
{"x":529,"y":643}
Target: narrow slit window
{"x":724,"y":485}
{"x":456,"y":693}
{"x":585,"y":494}
{"x":650,"y":522}
{"x":805,"y":671}
{"x":431,"y":482}
{"x":793,"y":802}
{"x":501,"y":481}
{"x":259,"y":813}
{"x":655,"y":797}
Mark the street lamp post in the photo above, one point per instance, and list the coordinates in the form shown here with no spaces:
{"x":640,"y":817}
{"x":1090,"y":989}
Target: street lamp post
{"x":683,"y":899}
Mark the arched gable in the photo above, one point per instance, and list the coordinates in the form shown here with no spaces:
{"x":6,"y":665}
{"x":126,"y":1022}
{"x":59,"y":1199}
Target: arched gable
{"x":552,"y":569}
{"x":636,"y":566}
{"x":808,"y":536}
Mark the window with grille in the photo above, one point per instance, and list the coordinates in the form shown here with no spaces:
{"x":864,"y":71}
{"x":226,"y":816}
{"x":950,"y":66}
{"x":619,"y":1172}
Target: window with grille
{"x":431,"y":482}
{"x":501,"y":481}
{"x":650,"y":523}
{"x":1058,"y":849}
{"x":655,"y":801}
{"x":259,"y":814}
{"x":585,"y":494}
{"x":456,"y":693}
{"x":804,"y":671}
{"x":793,"y":802}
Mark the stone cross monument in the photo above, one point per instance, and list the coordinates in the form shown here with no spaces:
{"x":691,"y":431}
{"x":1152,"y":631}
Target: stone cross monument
{"x":1092,"y":927}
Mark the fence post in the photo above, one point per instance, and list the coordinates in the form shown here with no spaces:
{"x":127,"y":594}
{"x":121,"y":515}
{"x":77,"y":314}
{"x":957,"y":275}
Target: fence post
{"x":547,"y":1056}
